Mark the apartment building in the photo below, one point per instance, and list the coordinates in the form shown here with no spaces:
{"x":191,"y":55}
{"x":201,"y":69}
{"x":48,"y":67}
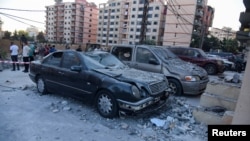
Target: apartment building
{"x":185,"y":22}
{"x":71,"y":22}
{"x":120,"y":22}
{"x":224,"y":33}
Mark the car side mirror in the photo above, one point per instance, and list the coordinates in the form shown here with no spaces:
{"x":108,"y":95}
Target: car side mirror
{"x":76,"y":68}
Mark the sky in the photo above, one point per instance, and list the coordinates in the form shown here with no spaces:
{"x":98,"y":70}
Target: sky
{"x":227,"y":13}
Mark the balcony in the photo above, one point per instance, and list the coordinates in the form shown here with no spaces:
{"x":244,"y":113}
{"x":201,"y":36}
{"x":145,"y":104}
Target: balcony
{"x":200,"y":3}
{"x":199,"y":13}
{"x":244,"y":18}
{"x":243,"y":35}
{"x":197,"y":23}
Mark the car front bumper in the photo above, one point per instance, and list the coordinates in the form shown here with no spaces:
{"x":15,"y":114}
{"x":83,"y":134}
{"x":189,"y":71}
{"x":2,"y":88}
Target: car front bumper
{"x":144,"y":103}
{"x":194,"y":88}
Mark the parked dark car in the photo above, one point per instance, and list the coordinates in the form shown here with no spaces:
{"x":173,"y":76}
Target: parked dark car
{"x":199,"y":57}
{"x":100,"y":76}
{"x":183,"y":77}
{"x":238,"y":60}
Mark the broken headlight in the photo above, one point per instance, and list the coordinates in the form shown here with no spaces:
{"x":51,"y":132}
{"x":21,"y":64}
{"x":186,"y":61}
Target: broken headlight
{"x":135,"y":91}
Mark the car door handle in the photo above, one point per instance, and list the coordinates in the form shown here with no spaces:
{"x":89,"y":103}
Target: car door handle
{"x":60,"y":72}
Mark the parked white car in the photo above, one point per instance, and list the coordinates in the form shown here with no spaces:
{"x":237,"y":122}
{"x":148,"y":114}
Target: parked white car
{"x":228,"y":64}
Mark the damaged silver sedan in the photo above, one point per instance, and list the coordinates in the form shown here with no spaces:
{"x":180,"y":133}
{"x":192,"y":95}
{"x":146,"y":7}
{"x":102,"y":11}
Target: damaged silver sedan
{"x":112,"y":86}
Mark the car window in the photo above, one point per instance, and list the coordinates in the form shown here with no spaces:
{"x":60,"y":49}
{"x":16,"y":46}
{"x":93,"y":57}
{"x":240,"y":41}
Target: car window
{"x":122,"y":53}
{"x":144,"y":55}
{"x":70,"y":59}
{"x":54,"y":59}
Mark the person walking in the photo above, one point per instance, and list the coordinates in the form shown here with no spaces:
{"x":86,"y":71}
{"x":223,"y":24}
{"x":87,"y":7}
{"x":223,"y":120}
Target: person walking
{"x":32,"y":52}
{"x":14,"y":56}
{"x":26,"y":50}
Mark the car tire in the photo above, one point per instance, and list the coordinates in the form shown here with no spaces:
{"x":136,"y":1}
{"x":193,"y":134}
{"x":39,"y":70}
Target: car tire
{"x":211,"y":69}
{"x":175,"y":86}
{"x":106,"y":104}
{"x":41,"y":86}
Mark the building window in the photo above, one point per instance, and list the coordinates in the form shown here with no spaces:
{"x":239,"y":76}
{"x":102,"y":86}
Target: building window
{"x":155,"y":23}
{"x":154,"y":30}
{"x":157,"y":8}
{"x":156,"y":15}
{"x":131,"y":36}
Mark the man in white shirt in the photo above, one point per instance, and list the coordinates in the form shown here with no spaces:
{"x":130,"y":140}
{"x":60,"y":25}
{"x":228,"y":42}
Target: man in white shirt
{"x":14,"y":56}
{"x":26,"y":50}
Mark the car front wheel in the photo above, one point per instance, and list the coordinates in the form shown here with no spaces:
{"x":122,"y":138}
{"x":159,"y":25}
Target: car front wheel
{"x":175,"y":86}
{"x":211,"y":69}
{"x":106,"y":104}
{"x":41,"y":86}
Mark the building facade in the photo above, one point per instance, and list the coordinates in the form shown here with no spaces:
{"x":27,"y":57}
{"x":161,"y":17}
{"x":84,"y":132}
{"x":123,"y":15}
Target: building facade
{"x":32,"y":32}
{"x":243,"y":35}
{"x":71,"y":22}
{"x":185,"y":22}
{"x":224,"y":33}
{"x":120,"y":22}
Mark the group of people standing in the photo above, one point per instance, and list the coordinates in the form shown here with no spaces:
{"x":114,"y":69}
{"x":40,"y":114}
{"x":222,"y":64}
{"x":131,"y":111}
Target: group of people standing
{"x":27,"y":55}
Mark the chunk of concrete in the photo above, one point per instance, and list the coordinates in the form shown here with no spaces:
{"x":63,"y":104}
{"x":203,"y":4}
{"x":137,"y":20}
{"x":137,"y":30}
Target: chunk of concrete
{"x":211,"y":100}
{"x":210,"y":118}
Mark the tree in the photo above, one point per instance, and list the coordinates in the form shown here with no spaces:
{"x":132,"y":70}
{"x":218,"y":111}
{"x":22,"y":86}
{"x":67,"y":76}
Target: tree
{"x":40,"y":37}
{"x":230,"y":45}
{"x":7,"y":35}
{"x":15,"y":35}
{"x":22,"y":32}
{"x":149,"y":42}
{"x":211,"y":43}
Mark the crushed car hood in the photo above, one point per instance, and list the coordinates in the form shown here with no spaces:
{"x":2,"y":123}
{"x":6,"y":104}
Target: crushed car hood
{"x":185,"y":67}
{"x":130,"y":74}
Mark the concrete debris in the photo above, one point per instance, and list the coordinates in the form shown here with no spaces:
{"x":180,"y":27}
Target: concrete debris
{"x":236,"y":78}
{"x":66,"y":108}
{"x":158,"y":122}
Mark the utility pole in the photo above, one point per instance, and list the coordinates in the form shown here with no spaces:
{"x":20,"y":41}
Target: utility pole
{"x":202,"y":36}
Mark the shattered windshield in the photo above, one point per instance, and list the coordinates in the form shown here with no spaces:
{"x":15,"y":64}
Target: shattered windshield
{"x":106,"y":59}
{"x":91,"y":63}
{"x":165,"y":54}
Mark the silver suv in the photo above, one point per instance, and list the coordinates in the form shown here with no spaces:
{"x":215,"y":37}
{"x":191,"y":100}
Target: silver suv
{"x":183,"y":77}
